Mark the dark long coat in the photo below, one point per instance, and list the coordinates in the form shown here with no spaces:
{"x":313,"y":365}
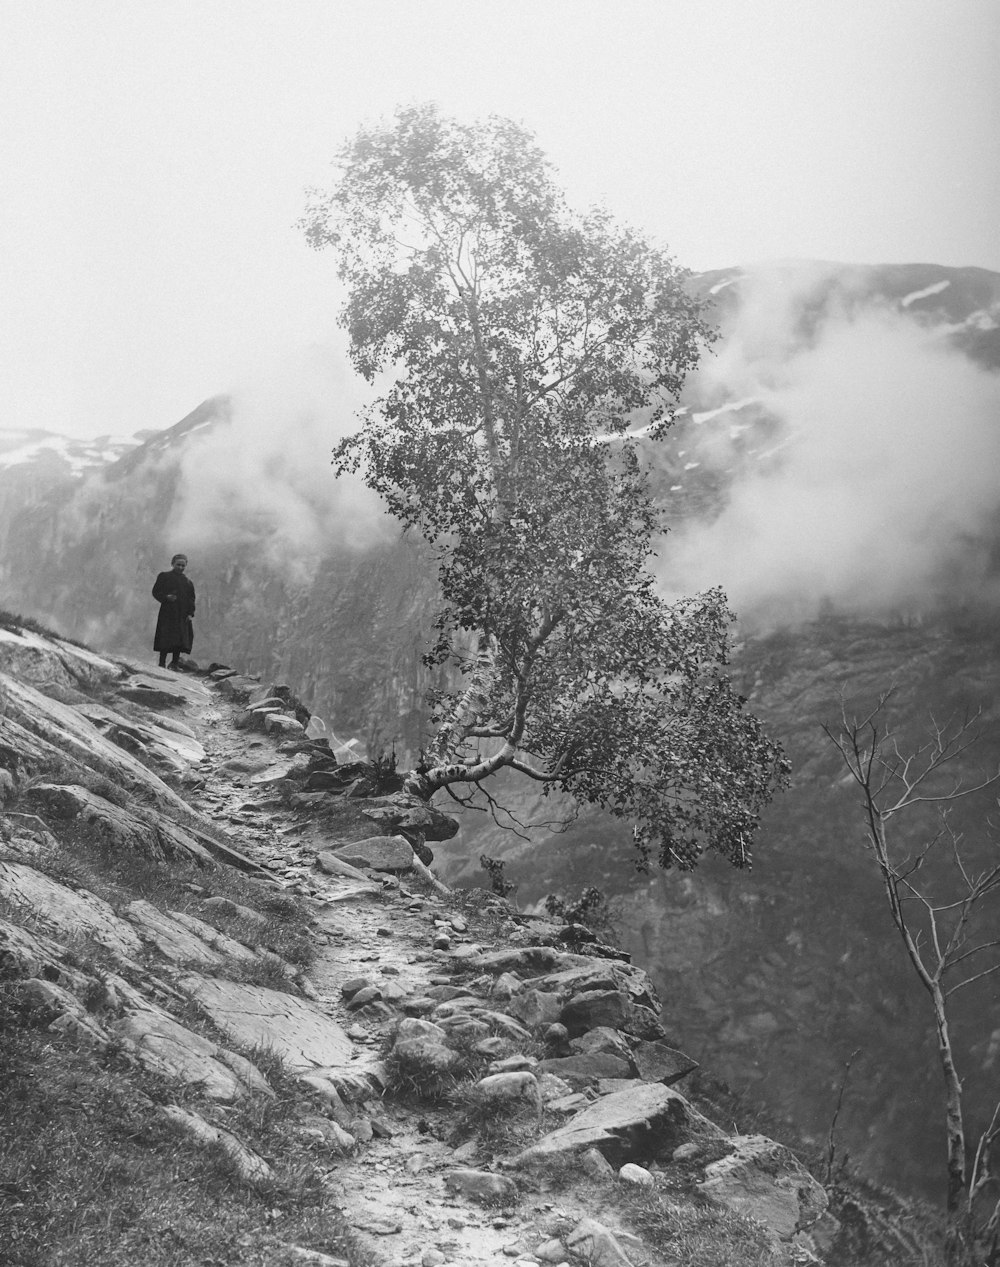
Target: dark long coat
{"x":174,"y":631}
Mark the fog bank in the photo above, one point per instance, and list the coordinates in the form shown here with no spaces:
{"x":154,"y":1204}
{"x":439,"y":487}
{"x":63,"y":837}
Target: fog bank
{"x":863,"y":464}
{"x":265,"y":479}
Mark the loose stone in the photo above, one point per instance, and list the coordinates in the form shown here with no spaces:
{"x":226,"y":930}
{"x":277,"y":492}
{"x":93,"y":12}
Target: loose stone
{"x":481,"y":1184}
{"x":639,"y":1176}
{"x":370,"y":994}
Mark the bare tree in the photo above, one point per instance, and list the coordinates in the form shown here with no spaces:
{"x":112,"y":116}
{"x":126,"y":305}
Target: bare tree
{"x":937,"y":909}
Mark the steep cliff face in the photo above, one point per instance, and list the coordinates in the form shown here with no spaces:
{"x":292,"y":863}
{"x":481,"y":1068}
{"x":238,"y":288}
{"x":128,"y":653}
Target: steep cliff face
{"x":782,"y":973}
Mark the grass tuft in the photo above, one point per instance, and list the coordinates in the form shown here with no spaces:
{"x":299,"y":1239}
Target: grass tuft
{"x":697,"y":1234}
{"x":15,"y":623}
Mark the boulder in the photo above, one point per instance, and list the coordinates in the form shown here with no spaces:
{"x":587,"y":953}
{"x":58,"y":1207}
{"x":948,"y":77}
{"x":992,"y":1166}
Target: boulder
{"x":586,"y":1068}
{"x":293,"y":767}
{"x":509,"y":1086}
{"x":640,"y":1123}
{"x":535,"y":1008}
{"x":656,"y":1062}
{"x":646,"y":1024}
{"x":581,"y":973}
{"x":638,"y":1176}
{"x":322,"y":781}
{"x":593,"y":1008}
{"x":505,"y":1024}
{"x":367,"y":994}
{"x":420,"y":1057}
{"x":555,"y":1037}
{"x":481,"y":1184}
{"x":402,"y":811}
{"x":353,"y":985}
{"x":332,"y":865}
{"x":237,"y":687}
{"x":358,"y":1081}
{"x":280,"y":724}
{"x":596,"y":1165}
{"x":603,"y":1038}
{"x":380,"y":853}
{"x":466,"y":1028}
{"x":597,"y":1245}
{"x":421,"y":1047}
{"x":505,"y":986}
{"x":762,"y":1179}
{"x":513,"y":1064}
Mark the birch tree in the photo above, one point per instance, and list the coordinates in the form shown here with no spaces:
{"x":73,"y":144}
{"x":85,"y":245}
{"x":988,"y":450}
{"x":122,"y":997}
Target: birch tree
{"x":525,"y":346}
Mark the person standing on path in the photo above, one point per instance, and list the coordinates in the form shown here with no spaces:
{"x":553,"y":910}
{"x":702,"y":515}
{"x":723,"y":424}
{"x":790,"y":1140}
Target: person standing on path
{"x":174,"y":625}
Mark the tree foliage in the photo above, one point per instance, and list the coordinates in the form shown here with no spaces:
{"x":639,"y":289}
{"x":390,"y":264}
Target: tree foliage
{"x":525,"y":344}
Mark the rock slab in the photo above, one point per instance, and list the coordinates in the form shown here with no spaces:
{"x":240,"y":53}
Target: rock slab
{"x":253,"y":1016}
{"x":381,"y":853}
{"x":639,"y":1123}
{"x":762,"y":1179}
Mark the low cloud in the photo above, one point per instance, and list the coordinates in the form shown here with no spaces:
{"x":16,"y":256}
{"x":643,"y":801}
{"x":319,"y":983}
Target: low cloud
{"x":265,"y":480}
{"x":877,"y":486}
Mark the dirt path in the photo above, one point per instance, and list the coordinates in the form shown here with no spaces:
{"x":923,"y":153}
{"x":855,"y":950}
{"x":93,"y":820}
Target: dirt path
{"x":392,"y":1189}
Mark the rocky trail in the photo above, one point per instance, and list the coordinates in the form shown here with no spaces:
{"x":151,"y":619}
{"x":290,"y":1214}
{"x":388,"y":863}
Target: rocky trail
{"x":477,"y":1085}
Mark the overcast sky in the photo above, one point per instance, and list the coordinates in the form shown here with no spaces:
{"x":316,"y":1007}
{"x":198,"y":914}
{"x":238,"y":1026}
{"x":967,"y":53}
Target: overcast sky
{"x":155,"y":155}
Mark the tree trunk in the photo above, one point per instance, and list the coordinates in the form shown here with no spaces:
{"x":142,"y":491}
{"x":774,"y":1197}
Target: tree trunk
{"x":954,"y":1125}
{"x":469,"y":705}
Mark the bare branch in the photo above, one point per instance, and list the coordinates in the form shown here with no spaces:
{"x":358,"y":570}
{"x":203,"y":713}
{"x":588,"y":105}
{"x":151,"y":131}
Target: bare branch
{"x":986,"y":945}
{"x":987,"y":972}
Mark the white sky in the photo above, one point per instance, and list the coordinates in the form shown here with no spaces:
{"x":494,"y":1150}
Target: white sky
{"x":155,"y":154}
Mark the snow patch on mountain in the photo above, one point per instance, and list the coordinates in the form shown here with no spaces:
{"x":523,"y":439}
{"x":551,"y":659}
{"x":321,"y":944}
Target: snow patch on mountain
{"x":732,"y":407}
{"x":927,"y":291}
{"x":23,"y":448}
